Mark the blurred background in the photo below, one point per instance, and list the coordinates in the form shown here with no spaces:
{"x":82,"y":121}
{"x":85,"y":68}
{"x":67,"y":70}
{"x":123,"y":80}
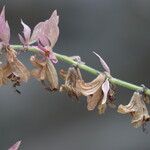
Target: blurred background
{"x":120,"y":32}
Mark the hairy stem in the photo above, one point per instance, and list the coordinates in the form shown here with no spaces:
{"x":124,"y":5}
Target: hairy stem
{"x":86,"y":68}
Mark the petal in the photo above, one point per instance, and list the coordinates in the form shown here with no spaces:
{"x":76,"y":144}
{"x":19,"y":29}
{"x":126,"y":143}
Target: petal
{"x":93,"y":100}
{"x":91,"y":87}
{"x":105,"y":89}
{"x":48,"y":29}
{"x":137,"y":109}
{"x":105,"y":66}
{"x":71,"y":76}
{"x":15,"y":146}
{"x":52,"y":76}
{"x":53,"y":29}
{"x":2,"y":15}
{"x":40,"y":72}
{"x":26,"y":32}
{"x":22,"y":39}
{"x":37,"y":32}
{"x":4,"y":28}
{"x":17,"y":68}
{"x":53,"y":58}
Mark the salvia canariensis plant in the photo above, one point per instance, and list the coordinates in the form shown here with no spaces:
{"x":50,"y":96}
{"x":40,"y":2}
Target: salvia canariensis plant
{"x":99,"y":93}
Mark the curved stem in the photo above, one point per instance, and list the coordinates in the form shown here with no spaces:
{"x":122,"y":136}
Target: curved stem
{"x":86,"y":68}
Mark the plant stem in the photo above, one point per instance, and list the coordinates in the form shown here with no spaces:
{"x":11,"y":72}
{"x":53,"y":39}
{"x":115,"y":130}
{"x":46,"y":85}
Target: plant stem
{"x":86,"y":68}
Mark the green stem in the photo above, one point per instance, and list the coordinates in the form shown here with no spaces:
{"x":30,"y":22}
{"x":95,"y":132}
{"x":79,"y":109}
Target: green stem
{"x":68,"y":60}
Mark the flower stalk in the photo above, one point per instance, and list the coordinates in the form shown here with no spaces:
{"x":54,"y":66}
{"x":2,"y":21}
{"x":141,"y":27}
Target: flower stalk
{"x":86,"y":68}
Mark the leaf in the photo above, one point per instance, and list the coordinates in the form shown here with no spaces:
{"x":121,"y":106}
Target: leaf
{"x":15,"y":146}
{"x":105,"y":66}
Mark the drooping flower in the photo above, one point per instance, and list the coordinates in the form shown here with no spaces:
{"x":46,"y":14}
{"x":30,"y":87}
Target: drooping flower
{"x":15,"y":146}
{"x":100,"y":91}
{"x":4,"y":29}
{"x":71,"y":76}
{"x":45,"y":34}
{"x":13,"y":70}
{"x":45,"y":72}
{"x":137,"y":109}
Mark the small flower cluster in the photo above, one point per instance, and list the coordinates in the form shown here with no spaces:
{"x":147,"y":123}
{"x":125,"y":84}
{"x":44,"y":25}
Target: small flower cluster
{"x":100,"y":92}
{"x":43,"y":37}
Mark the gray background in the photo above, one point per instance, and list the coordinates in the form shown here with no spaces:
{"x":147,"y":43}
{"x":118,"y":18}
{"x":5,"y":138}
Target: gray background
{"x":117,"y":29}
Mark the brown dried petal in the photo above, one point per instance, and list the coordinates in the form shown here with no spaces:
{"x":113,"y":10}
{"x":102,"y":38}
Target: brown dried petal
{"x":52,"y":76}
{"x":94,"y":99}
{"x":137,"y":109}
{"x":90,"y":88}
{"x":71,"y":78}
{"x":40,"y":72}
{"x":45,"y":71}
{"x":3,"y":76}
{"x":17,"y":68}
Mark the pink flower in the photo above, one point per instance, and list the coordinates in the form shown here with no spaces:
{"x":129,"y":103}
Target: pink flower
{"x":25,"y":39}
{"x":15,"y":146}
{"x":4,"y":29}
{"x":45,"y":34}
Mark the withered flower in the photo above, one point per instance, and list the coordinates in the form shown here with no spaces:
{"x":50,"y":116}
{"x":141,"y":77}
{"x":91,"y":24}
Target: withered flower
{"x":13,"y":70}
{"x":45,"y":71}
{"x":99,"y":92}
{"x":96,"y":95}
{"x":71,"y":76}
{"x":137,"y":109}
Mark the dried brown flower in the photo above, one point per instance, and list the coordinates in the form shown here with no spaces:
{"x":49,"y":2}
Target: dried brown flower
{"x":45,"y":71}
{"x":137,"y":109}
{"x":98,"y":92}
{"x":13,"y":70}
{"x":71,"y":76}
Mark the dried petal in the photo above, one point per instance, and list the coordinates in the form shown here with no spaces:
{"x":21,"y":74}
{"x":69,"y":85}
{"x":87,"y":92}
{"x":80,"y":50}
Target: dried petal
{"x":4,"y":28}
{"x":52,"y":76}
{"x":45,"y":72}
{"x":137,"y":109}
{"x":105,"y":66}
{"x":15,"y":146}
{"x":105,"y":89}
{"x":71,"y":76}
{"x":94,"y":99}
{"x":17,"y":68}
{"x":90,"y":88}
{"x":3,"y":75}
{"x":40,"y":72}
